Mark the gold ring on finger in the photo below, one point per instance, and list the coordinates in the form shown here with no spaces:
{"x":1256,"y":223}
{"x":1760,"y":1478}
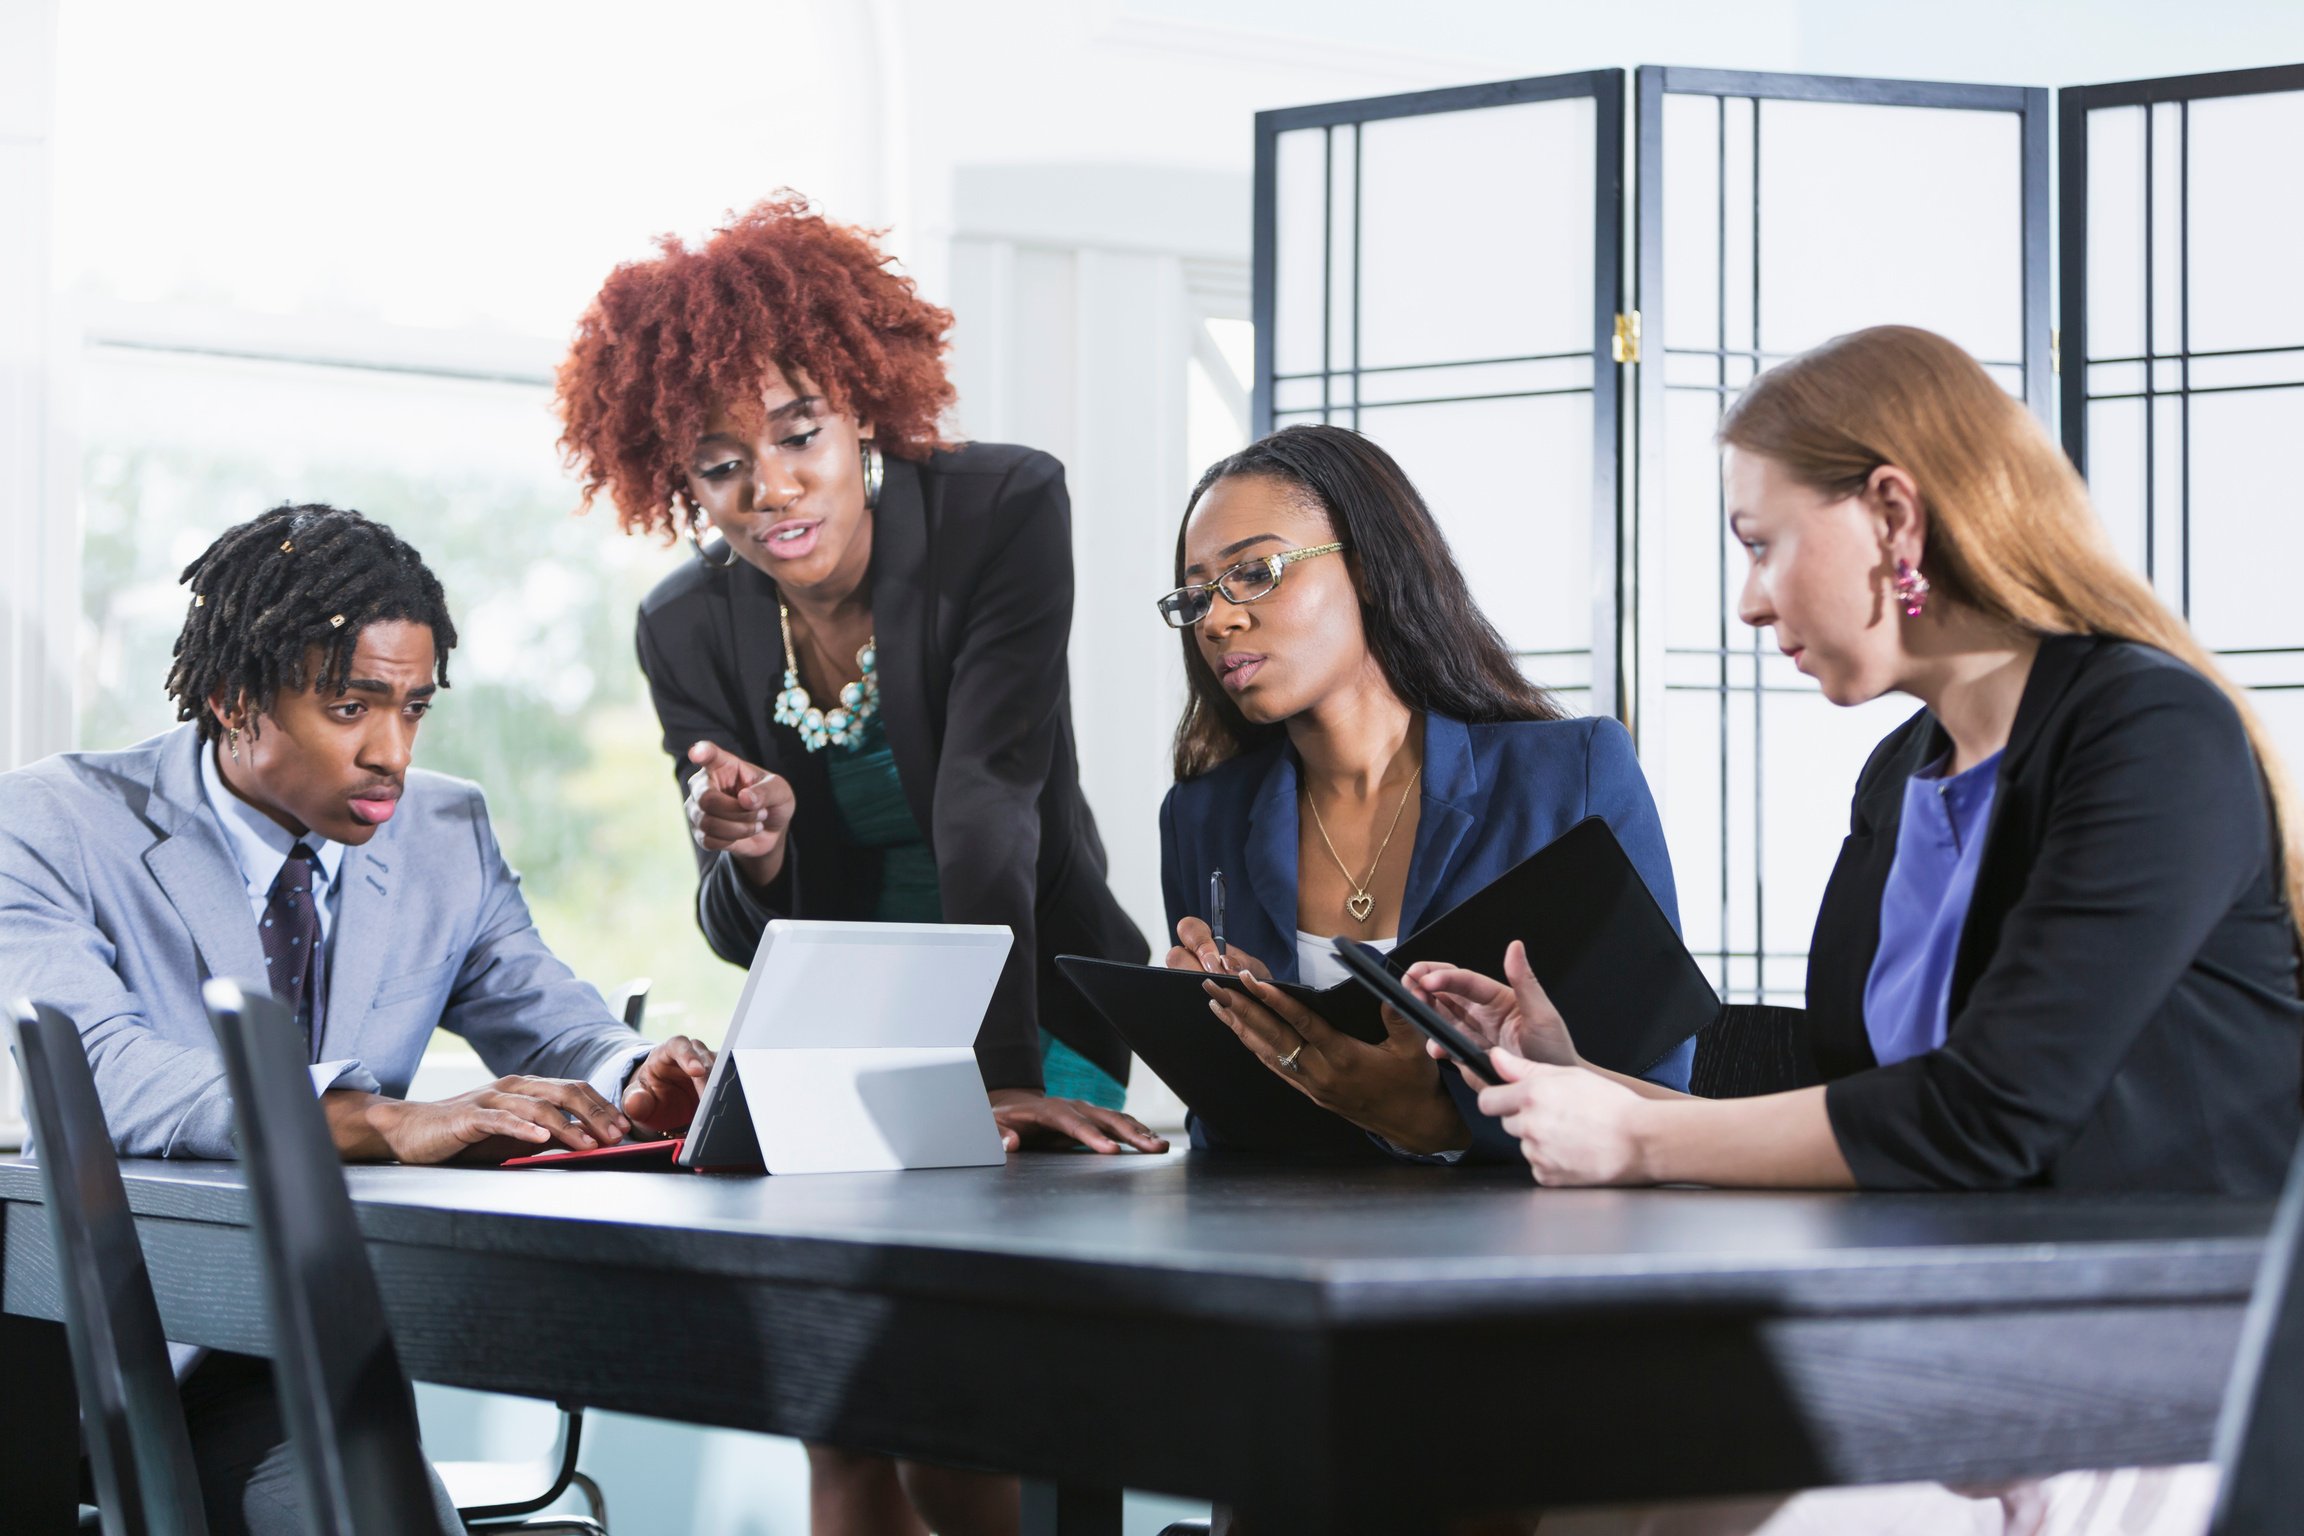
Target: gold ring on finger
{"x":1287,"y":1063}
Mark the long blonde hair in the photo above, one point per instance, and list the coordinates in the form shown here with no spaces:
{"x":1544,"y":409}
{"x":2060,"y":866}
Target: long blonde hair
{"x":2010,"y":530}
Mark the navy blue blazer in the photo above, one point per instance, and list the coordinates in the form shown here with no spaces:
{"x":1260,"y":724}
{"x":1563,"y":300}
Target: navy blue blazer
{"x":1492,"y":795}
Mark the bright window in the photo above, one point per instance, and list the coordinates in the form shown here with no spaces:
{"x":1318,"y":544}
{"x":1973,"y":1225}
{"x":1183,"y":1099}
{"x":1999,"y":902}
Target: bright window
{"x":545,"y":708}
{"x":304,"y":277}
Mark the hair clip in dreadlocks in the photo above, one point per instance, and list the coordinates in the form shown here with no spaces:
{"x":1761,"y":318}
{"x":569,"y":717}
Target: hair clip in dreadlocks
{"x":198,"y":601}
{"x":287,"y":546}
{"x":336,"y":621}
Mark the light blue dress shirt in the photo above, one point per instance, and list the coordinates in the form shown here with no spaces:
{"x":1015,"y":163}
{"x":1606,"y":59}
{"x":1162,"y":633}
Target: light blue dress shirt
{"x":1924,"y":905}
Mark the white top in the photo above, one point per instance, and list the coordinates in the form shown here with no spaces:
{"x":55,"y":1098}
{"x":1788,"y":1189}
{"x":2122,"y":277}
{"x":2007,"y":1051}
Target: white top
{"x":1316,"y":962}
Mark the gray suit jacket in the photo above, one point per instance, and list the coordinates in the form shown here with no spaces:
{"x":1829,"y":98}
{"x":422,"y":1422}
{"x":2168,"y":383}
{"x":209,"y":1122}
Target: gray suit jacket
{"x":119,"y":897}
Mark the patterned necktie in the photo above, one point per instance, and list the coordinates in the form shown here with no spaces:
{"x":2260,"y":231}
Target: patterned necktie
{"x":291,"y":935}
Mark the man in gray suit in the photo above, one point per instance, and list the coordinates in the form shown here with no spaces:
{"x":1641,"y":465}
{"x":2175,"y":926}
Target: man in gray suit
{"x":280,"y":834}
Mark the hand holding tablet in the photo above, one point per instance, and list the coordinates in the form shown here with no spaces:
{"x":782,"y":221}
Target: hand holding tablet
{"x":1515,"y":1012}
{"x":1368,"y":967}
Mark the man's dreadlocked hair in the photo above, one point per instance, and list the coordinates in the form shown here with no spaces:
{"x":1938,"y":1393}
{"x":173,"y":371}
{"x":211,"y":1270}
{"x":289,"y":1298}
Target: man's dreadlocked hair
{"x":265,"y":593}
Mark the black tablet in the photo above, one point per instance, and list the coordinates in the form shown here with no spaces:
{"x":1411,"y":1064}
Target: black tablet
{"x":1367,"y":966}
{"x":1242,"y":1104}
{"x":1604,"y":948}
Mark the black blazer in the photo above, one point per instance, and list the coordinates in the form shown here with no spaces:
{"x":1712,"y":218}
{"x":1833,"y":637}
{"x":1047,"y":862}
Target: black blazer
{"x":972,"y":607}
{"x":2124,"y":1011}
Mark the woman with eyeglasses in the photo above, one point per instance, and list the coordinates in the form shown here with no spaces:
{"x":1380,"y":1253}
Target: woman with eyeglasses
{"x":1358,"y":753}
{"x":862,"y":676}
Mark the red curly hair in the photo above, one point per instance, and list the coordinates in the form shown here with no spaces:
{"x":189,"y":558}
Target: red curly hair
{"x":779,"y":289}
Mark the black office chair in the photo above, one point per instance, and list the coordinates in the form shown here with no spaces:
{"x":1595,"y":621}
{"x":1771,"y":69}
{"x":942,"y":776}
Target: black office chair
{"x":1751,"y":1049}
{"x":131,"y":1416}
{"x":350,"y":1415}
{"x":501,"y":1495}
{"x":2263,"y":1418}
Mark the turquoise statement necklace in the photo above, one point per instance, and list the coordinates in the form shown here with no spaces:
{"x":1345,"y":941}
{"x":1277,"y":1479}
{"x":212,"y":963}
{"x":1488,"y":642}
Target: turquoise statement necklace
{"x":842,"y":725}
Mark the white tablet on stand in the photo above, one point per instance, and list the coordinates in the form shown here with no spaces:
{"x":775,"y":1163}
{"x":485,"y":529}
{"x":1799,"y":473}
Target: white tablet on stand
{"x":853,"y":1048}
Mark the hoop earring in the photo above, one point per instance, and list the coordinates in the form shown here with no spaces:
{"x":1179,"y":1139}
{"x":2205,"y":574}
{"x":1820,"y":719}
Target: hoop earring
{"x":1911,"y":589}
{"x":875,"y":470}
{"x":714,"y":553}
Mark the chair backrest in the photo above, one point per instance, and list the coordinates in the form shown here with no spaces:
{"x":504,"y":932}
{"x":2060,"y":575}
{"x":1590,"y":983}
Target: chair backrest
{"x":132,"y":1418}
{"x":1752,"y":1049}
{"x":350,"y":1415}
{"x":2261,"y":1429}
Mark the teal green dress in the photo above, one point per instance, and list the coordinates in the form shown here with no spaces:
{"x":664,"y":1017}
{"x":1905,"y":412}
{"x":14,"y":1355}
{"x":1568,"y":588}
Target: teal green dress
{"x":875,"y":814}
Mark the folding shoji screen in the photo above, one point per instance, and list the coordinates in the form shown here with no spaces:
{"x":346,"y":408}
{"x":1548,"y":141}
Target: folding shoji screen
{"x":2183,"y":350}
{"x":1442,"y":271}
{"x":1777,"y":211}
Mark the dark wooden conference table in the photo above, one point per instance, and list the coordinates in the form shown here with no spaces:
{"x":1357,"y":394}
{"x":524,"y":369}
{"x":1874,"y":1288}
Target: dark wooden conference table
{"x":1341,"y":1349}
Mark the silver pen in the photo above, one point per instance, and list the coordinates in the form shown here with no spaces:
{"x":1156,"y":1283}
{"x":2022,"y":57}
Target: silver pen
{"x":1216,"y":914}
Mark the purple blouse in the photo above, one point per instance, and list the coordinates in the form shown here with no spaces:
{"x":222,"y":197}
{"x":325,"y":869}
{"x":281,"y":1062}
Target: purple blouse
{"x":1939,"y":844}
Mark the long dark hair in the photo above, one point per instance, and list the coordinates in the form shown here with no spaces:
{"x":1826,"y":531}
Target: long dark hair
{"x":1435,"y":646}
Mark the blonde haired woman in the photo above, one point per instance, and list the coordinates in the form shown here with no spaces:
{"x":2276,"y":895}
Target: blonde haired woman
{"x":2059,"y":949}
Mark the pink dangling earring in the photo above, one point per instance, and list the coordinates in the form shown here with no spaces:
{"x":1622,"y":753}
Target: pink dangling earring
{"x":1911,"y":589}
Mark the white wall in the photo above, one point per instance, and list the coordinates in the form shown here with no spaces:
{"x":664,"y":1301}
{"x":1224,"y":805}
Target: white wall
{"x":1079,"y":289}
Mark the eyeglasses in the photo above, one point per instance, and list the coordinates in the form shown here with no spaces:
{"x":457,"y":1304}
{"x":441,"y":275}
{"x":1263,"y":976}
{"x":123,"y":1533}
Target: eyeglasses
{"x":1248,"y":582}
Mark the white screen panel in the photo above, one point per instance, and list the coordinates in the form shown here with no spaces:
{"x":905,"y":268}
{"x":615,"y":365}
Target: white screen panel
{"x":2247,"y":539}
{"x":1520,"y":523}
{"x":2116,"y":232}
{"x":2276,"y":367}
{"x":1741,"y":226}
{"x":2247,"y":222}
{"x":1412,"y":385}
{"x":1343,"y":246}
{"x":1453,"y":202}
{"x":2283,"y":715}
{"x":1684,"y":771}
{"x":1947,"y":252}
{"x":2165,"y":229}
{"x":2116,"y":473}
{"x":2165,"y":526}
{"x":1700,"y":562}
{"x":1299,"y":249}
{"x":1692,"y":215}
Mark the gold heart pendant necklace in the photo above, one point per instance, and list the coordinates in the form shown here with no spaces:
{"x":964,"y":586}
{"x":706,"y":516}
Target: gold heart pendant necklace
{"x":1360,"y":904}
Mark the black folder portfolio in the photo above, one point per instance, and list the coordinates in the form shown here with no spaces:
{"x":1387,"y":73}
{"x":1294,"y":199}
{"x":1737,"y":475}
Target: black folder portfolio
{"x":1604,"y":950}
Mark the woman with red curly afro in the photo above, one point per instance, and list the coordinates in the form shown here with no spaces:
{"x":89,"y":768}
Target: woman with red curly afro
{"x":862,"y":676}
